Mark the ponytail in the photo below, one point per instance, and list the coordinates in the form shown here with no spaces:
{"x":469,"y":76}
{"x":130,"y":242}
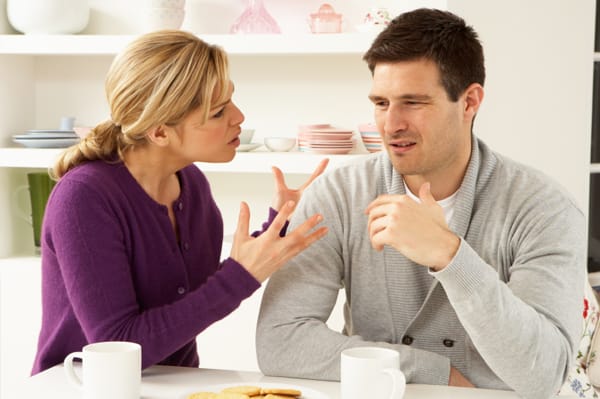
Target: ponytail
{"x":103,"y":142}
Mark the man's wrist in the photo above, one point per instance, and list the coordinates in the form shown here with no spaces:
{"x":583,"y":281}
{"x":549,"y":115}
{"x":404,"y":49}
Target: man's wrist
{"x":449,"y":247}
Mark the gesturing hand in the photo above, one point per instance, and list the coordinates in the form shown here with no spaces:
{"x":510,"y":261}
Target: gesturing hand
{"x":417,"y":230}
{"x":265,"y":254}
{"x":284,"y":194}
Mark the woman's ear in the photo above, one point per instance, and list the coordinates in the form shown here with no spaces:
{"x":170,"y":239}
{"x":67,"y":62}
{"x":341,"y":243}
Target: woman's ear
{"x":158,"y":135}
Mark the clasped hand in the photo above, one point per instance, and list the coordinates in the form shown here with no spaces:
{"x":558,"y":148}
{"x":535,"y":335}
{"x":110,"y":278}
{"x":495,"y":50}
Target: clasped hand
{"x":417,"y":230}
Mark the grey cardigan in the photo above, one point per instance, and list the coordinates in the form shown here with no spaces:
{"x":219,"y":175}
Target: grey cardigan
{"x":506,"y":312}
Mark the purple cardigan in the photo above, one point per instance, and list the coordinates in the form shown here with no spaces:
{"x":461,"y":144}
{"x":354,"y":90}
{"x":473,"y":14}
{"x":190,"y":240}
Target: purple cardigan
{"x":112,"y":268}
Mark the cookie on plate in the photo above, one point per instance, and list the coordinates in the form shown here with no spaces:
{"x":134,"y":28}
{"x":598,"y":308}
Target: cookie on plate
{"x":201,"y":395}
{"x":248,"y":390}
{"x":231,"y":395}
{"x":281,"y":391}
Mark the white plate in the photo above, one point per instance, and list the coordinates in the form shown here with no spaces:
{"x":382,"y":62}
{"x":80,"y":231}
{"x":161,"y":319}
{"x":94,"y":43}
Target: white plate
{"x":50,"y":131}
{"x":39,"y":136}
{"x":247,"y":147}
{"x":47,"y":143}
{"x":307,"y":393}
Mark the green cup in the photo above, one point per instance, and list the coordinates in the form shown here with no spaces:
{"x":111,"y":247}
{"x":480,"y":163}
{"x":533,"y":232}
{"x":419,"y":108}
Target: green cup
{"x":40,"y":186}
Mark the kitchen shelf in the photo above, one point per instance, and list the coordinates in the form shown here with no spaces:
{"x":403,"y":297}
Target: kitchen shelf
{"x":244,"y":162}
{"x":283,"y":44}
{"x":25,"y":261}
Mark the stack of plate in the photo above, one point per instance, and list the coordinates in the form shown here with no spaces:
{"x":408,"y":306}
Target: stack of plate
{"x":325,"y":139}
{"x":47,"y":138}
{"x":370,"y":137}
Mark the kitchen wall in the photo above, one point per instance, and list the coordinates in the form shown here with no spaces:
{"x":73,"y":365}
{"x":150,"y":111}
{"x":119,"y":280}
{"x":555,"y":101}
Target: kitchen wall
{"x":538,"y":102}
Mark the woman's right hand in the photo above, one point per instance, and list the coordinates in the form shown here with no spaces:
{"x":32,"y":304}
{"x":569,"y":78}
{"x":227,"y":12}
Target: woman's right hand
{"x":265,"y":254}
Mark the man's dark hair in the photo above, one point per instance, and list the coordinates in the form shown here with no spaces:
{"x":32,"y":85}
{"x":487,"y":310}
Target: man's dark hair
{"x":434,"y":35}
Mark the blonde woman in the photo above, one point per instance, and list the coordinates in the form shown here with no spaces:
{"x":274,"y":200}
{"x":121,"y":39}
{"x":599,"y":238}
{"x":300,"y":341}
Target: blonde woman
{"x":132,"y":236}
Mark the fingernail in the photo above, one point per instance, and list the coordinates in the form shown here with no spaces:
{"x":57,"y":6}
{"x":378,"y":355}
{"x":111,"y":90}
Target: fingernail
{"x":290,"y":204}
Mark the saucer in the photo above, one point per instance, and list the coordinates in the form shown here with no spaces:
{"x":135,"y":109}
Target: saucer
{"x":247,"y":147}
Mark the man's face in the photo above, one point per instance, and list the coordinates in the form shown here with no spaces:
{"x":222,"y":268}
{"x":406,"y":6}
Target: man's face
{"x":426,"y":135}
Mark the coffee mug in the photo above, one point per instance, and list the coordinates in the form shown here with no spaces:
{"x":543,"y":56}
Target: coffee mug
{"x":371,"y":372}
{"x":40,"y":186}
{"x":109,"y":370}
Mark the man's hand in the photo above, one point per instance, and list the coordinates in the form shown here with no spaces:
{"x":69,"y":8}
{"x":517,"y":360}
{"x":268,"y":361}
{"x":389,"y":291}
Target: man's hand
{"x":417,"y":230}
{"x":456,"y":379}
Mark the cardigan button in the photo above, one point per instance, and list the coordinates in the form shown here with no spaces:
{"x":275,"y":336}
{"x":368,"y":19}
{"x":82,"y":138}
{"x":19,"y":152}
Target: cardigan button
{"x":180,"y":206}
{"x":407,"y":340}
{"x":181,"y":290}
{"x":448,"y":343}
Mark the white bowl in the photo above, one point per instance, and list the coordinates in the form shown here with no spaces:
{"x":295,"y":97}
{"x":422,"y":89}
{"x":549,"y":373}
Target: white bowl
{"x":48,"y":17}
{"x":162,"y":18}
{"x":280,"y":144}
{"x":246,"y":136}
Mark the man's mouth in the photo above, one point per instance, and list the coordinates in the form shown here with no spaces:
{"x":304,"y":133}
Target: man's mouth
{"x":403,"y":144}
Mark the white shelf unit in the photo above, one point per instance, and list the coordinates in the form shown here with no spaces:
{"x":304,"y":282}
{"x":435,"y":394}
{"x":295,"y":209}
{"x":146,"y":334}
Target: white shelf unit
{"x":244,"y":162}
{"x":288,"y":44}
{"x":39,"y":65}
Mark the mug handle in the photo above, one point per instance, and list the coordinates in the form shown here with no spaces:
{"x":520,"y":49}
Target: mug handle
{"x":398,"y":382}
{"x":70,"y":371}
{"x":18,"y":210}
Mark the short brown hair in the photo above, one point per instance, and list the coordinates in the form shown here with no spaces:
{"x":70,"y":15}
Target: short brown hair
{"x":434,"y":35}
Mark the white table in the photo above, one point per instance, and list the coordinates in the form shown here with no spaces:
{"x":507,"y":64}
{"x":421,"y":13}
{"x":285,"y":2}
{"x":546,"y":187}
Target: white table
{"x":165,"y":382}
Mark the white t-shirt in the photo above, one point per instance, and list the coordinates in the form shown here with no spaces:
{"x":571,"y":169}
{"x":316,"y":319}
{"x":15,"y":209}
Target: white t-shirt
{"x":447,"y":203}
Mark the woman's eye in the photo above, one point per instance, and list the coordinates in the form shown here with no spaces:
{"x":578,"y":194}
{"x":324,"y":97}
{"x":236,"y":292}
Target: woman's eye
{"x":219,"y":114}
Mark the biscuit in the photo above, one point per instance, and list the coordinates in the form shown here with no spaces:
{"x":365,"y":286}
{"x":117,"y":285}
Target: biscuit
{"x":249,"y":390}
{"x":279,"y":396}
{"x":202,"y":395}
{"x":280,"y":391}
{"x":230,"y":395}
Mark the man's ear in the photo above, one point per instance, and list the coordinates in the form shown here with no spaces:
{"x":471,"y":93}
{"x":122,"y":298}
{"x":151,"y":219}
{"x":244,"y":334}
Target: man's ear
{"x":473,"y":97}
{"x":158,"y":135}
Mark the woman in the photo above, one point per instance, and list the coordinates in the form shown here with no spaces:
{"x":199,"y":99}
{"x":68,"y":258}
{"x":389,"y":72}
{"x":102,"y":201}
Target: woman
{"x":132,"y":236}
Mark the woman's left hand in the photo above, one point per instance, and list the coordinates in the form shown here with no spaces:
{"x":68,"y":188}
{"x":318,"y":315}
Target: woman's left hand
{"x":283,"y":194}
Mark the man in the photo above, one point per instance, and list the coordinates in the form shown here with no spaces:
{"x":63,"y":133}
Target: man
{"x":468,"y":264}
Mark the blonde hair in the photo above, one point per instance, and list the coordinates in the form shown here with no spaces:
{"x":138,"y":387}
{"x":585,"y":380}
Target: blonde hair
{"x":158,"y":79}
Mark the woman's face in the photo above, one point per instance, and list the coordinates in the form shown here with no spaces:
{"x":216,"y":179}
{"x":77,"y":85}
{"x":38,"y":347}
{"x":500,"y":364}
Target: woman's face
{"x":216,"y":139}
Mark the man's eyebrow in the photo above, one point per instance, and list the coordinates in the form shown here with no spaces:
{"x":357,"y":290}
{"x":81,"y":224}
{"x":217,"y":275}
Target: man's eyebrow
{"x":418,"y":97}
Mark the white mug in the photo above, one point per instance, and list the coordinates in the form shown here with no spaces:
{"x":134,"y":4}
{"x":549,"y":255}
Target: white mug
{"x":109,"y":370}
{"x":370,"y":372}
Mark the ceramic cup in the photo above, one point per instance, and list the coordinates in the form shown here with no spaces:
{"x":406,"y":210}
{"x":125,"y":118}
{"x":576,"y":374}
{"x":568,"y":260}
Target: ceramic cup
{"x":67,"y":122}
{"x":371,"y":372}
{"x":40,"y":186}
{"x":109,"y":370}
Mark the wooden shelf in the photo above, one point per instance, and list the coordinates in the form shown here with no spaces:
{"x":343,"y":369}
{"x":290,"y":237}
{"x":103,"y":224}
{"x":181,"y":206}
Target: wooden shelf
{"x":285,"y":44}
